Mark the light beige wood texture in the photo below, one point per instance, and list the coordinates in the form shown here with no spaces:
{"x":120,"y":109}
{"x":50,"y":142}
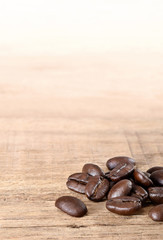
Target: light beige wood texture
{"x":58,"y":113}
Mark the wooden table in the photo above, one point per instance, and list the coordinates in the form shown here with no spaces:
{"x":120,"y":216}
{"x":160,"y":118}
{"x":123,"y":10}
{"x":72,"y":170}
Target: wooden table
{"x":58,"y":113}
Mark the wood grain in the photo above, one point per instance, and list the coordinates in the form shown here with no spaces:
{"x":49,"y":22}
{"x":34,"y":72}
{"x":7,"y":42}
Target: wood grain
{"x":58,"y":113}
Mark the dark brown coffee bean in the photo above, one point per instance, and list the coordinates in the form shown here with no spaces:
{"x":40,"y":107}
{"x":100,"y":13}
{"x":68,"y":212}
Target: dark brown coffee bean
{"x":156,"y":194}
{"x":76,"y":186}
{"x":157,"y":177}
{"x":147,"y":174}
{"x":113,"y":162}
{"x":92,"y":169}
{"x":111,"y":184}
{"x":71,"y":205}
{"x":139,"y":192}
{"x":153,"y":169}
{"x":156,"y":213}
{"x":121,"y":171}
{"x":77,"y":182}
{"x":121,"y":188}
{"x":124,"y":205}
{"x":80,"y":177}
{"x":97,"y":188}
{"x":142,"y":179}
{"x":106,"y":175}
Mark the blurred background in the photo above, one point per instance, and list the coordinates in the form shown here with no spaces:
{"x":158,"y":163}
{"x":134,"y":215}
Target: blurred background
{"x":96,"y":51}
{"x":53,"y":27}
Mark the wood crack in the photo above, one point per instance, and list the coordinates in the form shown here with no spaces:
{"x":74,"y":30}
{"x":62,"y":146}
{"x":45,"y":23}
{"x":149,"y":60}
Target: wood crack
{"x":78,"y":226}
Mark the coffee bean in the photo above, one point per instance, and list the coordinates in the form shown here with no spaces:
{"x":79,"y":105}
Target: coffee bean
{"x":71,"y":205}
{"x":92,"y":169}
{"x":139,"y":192}
{"x":156,"y":194}
{"x":124,"y":205}
{"x":76,"y":186}
{"x":121,"y":188}
{"x":113,"y":162}
{"x":157,"y":177}
{"x":153,"y":169}
{"x":107,"y":174}
{"x":147,"y":174}
{"x":125,"y":197}
{"x":156,"y":213}
{"x":111,"y":184}
{"x":97,"y":188}
{"x":142,"y":179}
{"x":121,"y":171}
{"x":77,"y":182}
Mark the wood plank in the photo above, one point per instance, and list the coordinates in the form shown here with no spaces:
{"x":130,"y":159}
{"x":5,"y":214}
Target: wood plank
{"x":58,"y":113}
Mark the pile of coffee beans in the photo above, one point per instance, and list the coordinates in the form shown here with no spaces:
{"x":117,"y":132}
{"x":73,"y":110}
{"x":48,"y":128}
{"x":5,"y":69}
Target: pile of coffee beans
{"x":125,"y":188}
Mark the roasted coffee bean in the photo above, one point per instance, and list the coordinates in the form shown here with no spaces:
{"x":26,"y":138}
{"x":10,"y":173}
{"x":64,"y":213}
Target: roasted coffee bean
{"x":121,"y":188}
{"x":156,"y":194}
{"x":147,"y":174}
{"x":124,"y":205}
{"x":111,"y":184}
{"x":113,"y":162}
{"x":76,"y":186}
{"x":139,"y":192}
{"x":124,"y":196}
{"x":156,"y":213}
{"x":157,"y":177}
{"x":71,"y":205}
{"x":121,"y":171}
{"x":92,"y":169}
{"x":77,"y":182}
{"x":142,"y":179}
{"x":153,"y":169}
{"x":97,"y":188}
{"x":106,"y":175}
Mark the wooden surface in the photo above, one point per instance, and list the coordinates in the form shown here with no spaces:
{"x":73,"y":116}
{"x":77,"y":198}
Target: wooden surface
{"x":58,"y":113}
